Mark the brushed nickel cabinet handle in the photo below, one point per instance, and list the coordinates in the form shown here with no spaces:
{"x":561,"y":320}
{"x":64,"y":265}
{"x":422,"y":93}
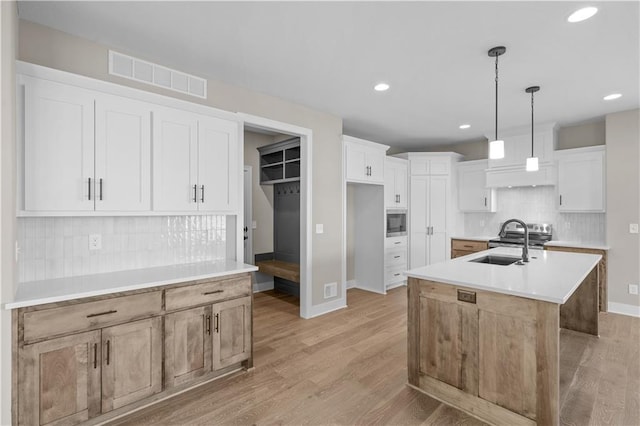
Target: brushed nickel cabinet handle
{"x":95,"y":355}
{"x":102,"y":313}
{"x":108,"y":351}
{"x":217,"y":323}
{"x":213,"y":292}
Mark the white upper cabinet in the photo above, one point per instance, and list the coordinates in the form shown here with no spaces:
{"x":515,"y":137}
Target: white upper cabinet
{"x":581,"y":179}
{"x":58,"y":147}
{"x":218,"y":164}
{"x":473,"y":194}
{"x":123,"y":154}
{"x":175,"y":160}
{"x":517,"y":145}
{"x":364,"y":160}
{"x":395,"y":183}
{"x":195,"y":162}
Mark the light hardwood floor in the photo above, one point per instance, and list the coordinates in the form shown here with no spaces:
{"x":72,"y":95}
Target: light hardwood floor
{"x":349,"y":367}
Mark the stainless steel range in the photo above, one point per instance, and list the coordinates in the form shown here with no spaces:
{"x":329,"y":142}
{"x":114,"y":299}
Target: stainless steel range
{"x":539,"y":234}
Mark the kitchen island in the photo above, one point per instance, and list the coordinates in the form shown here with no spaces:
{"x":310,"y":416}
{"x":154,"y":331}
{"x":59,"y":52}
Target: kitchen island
{"x":485,"y":337}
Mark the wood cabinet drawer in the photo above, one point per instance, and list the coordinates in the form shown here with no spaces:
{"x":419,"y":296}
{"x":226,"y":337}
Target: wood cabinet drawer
{"x":207,"y":292}
{"x":468,"y":245}
{"x":47,"y":323}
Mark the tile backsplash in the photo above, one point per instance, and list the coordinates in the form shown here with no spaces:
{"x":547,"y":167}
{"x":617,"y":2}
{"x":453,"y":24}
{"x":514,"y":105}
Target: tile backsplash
{"x":537,"y":205}
{"x":56,"y":247}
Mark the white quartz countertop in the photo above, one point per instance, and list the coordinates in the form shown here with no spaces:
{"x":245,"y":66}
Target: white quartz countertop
{"x":475,"y":238}
{"x":60,"y":289}
{"x":574,"y":244}
{"x":550,"y":276}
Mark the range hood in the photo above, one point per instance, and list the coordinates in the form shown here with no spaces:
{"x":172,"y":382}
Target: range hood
{"x":510,"y":170}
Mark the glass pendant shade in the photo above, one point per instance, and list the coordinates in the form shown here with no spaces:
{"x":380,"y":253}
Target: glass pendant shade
{"x":532,"y":164}
{"x":496,"y":149}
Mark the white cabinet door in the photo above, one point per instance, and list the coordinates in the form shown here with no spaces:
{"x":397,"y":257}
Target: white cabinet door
{"x":390,"y":196}
{"x":375,"y":161}
{"x":473,"y":195}
{"x":438,"y":194}
{"x":123,"y":154}
{"x":175,"y":160}
{"x":581,"y":182}
{"x":401,"y":186}
{"x":217,"y":164}
{"x":395,"y":186}
{"x":356,"y":159}
{"x":59,"y":147}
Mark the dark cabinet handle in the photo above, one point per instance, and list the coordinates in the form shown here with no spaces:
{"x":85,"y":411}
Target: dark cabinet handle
{"x":561,"y":200}
{"x":396,"y":274}
{"x":100,"y":182}
{"x":208,"y":324}
{"x":467,"y":246}
{"x":217,"y":323}
{"x":398,"y":242}
{"x":89,"y":189}
{"x":202,"y":194}
{"x":195,"y":193}
{"x":485,"y":201}
{"x":108,"y":351}
{"x":102,"y":313}
{"x":95,"y":355}
{"x":212,"y":292}
{"x":396,"y":257}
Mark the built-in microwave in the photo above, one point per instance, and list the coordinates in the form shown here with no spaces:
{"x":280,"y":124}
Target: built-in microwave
{"x":396,"y":222}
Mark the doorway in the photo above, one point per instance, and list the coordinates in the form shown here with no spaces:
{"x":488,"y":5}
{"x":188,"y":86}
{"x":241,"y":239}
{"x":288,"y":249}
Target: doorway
{"x":273,"y":131}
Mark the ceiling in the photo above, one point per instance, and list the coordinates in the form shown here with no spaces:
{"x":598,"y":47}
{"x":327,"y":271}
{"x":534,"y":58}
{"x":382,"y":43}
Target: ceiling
{"x":329,"y":55}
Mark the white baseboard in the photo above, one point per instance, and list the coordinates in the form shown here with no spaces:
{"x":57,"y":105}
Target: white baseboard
{"x":325,"y":308}
{"x":263,"y":286}
{"x":351,"y":284}
{"x":398,"y":284}
{"x":624,"y":309}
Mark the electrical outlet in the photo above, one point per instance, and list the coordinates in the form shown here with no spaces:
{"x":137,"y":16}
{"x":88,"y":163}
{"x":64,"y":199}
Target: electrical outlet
{"x":633,"y":228}
{"x":95,"y":242}
{"x":633,"y":289}
{"x":330,"y":290}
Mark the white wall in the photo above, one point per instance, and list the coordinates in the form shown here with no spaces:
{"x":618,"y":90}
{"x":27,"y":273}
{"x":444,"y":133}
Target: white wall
{"x":51,"y":48}
{"x":8,"y":33}
{"x":623,"y":204}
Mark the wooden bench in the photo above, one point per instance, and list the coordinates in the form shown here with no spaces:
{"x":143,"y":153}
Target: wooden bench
{"x":287,"y":270}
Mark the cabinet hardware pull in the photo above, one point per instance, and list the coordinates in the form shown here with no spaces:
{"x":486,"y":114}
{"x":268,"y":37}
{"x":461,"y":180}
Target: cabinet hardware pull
{"x":396,"y":274}
{"x":398,"y":242}
{"x":202,"y":194}
{"x":89,"y":189}
{"x":561,"y":200}
{"x":95,"y":355}
{"x":102,"y":313}
{"x":108,"y":350}
{"x":100,"y":182}
{"x":485,"y":201}
{"x":396,"y":257}
{"x":217,"y":323}
{"x":467,"y":246}
{"x":208,"y":324}
{"x":213,"y":292}
{"x":398,"y":198}
{"x":195,"y":193}
{"x":370,"y":171}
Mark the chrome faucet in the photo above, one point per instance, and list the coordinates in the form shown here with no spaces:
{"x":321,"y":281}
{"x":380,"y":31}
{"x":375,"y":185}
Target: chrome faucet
{"x":525,"y":248}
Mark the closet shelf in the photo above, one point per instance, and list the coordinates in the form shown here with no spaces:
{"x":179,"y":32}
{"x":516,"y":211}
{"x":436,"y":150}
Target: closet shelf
{"x":280,"y":162}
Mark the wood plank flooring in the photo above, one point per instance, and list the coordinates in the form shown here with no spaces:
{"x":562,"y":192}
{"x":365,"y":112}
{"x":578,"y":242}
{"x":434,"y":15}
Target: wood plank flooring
{"x":349,"y":367}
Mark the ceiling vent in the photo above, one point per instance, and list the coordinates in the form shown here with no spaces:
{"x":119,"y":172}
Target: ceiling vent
{"x":156,"y":75}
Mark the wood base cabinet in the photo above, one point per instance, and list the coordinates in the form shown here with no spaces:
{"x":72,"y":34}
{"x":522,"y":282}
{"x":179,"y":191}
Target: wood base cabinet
{"x":95,"y":359}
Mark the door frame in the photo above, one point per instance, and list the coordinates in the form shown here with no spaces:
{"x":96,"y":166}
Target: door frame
{"x":248,"y":212}
{"x":306,"y":144}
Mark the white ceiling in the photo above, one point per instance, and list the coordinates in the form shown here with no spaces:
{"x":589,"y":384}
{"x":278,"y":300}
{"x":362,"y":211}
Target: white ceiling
{"x":328,"y":56}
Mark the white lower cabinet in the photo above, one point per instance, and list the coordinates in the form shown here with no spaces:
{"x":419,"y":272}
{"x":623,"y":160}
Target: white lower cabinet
{"x":395,"y":261}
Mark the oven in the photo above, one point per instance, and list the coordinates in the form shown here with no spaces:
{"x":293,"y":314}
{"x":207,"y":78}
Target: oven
{"x":396,"y":222}
{"x":539,"y":234}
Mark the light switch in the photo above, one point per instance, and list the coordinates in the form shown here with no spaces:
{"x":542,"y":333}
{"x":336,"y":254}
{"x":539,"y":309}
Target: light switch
{"x":254,"y":225}
{"x":633,"y":228}
{"x":319,"y":228}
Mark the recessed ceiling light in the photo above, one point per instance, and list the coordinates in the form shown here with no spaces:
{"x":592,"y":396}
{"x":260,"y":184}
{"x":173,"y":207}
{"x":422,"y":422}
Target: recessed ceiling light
{"x":465,"y":126}
{"x":612,"y":96}
{"x":582,"y":14}
{"x":381,"y":87}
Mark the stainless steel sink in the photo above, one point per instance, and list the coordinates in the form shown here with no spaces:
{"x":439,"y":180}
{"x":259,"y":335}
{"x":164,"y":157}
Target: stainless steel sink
{"x":493,"y":259}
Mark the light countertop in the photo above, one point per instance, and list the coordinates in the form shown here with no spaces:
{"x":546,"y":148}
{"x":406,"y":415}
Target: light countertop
{"x":574,"y":244}
{"x":60,"y":289}
{"x":550,"y":276}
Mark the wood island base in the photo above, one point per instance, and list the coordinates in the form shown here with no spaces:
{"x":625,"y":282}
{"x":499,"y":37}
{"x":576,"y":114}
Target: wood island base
{"x":491,"y":355}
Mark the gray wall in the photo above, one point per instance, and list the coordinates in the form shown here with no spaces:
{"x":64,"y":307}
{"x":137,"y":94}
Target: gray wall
{"x":581,"y":135}
{"x":623,"y":204}
{"x":262,"y":196}
{"x":51,"y":48}
{"x":8,"y":268}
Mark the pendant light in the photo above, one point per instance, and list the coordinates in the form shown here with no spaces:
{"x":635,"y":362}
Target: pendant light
{"x":532,"y":162}
{"x":496,"y":146}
